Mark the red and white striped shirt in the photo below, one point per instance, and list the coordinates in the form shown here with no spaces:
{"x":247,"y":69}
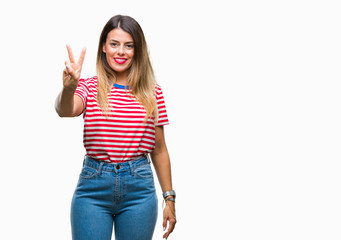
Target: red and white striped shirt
{"x":123,"y":136}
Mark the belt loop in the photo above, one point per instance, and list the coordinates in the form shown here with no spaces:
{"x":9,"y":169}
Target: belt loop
{"x":99,"y":170}
{"x":131,"y":168}
{"x":148,"y":158}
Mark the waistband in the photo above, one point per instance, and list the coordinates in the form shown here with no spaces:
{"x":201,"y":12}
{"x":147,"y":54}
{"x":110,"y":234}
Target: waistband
{"x":115,"y":167}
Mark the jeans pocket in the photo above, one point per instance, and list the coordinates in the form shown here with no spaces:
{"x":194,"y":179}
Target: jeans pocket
{"x":144,"y":171}
{"x":88,"y":173}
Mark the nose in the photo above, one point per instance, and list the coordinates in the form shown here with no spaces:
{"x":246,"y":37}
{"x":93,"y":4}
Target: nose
{"x":120,"y":50}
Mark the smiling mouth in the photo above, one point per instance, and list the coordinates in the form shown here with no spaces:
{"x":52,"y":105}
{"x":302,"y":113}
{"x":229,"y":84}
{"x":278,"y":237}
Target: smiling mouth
{"x":120,"y":60}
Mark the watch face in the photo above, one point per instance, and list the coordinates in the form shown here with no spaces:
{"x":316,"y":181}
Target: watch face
{"x":169,"y":193}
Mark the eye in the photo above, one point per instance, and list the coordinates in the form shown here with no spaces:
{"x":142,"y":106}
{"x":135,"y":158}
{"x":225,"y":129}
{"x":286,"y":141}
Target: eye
{"x":113,"y":44}
{"x":130,"y":46}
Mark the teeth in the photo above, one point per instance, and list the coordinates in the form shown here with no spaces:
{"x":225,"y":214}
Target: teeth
{"x":120,"y":60}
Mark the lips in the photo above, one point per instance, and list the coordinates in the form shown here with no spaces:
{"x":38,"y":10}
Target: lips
{"x":120,"y":60}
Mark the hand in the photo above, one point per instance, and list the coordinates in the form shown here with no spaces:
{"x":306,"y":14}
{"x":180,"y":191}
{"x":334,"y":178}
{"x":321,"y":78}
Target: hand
{"x":169,"y":215}
{"x":72,"y":71}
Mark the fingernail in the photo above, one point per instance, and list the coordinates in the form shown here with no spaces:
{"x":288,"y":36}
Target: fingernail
{"x":164,"y":228}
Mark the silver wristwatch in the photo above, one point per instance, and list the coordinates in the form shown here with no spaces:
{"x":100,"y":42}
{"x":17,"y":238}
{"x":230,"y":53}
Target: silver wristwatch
{"x":169,"y":193}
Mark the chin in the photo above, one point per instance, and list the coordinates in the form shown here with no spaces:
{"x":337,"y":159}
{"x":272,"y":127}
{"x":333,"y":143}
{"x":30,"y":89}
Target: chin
{"x":120,"y":69}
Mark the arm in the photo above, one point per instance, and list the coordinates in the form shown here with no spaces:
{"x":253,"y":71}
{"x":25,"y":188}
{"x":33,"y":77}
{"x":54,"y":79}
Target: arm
{"x":161,"y":162}
{"x":68,"y":104}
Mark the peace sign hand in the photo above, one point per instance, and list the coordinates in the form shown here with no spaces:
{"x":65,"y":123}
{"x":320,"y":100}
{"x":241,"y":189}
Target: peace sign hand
{"x":72,"y":71}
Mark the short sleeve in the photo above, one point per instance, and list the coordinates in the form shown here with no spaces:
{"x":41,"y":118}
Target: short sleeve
{"x":161,"y":107}
{"x":82,"y":90}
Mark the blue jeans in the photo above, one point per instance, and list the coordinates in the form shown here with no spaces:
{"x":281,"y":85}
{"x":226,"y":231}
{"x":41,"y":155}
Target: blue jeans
{"x":120,"y":195}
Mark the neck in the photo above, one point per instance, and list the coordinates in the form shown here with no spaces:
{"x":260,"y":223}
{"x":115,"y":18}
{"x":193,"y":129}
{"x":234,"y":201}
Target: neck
{"x":121,"y":78}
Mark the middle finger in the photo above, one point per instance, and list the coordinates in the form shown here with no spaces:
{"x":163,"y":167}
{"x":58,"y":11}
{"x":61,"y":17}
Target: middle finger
{"x":171,"y":225}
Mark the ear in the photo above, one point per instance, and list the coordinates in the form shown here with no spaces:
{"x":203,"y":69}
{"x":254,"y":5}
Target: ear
{"x":104,"y":49}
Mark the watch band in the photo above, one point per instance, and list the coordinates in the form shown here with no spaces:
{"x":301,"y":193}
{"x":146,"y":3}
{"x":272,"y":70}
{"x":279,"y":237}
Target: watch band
{"x":170,"y":199}
{"x":169,"y":193}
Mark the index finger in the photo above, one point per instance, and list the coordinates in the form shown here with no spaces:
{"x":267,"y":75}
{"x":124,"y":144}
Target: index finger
{"x":71,"y":57}
{"x":81,"y":57}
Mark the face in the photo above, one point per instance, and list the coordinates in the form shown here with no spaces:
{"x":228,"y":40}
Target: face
{"x":119,"y":50}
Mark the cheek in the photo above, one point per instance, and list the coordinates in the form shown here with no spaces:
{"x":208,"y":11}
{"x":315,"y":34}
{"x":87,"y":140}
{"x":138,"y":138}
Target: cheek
{"x":110,"y":54}
{"x":109,"y":51}
{"x":132,"y":54}
{"x":108,"y":57}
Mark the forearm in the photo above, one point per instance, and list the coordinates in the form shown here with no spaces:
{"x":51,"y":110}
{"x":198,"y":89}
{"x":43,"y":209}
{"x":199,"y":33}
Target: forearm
{"x":65,"y":102}
{"x":162,"y":167}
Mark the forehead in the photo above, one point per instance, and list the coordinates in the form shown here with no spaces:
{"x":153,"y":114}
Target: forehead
{"x":120,"y":35}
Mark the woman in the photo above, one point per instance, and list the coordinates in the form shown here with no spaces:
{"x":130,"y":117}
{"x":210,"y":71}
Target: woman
{"x":124,"y":114}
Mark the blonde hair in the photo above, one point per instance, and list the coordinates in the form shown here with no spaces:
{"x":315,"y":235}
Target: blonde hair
{"x":141,"y":79}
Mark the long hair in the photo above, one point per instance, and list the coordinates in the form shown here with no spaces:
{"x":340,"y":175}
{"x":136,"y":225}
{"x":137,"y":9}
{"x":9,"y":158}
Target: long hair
{"x":141,"y":79}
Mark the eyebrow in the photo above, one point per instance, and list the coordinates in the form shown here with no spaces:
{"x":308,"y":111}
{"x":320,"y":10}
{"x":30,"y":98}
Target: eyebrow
{"x":113,"y":40}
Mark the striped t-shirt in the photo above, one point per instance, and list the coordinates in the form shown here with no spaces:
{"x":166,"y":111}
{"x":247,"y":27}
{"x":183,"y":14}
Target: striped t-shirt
{"x":123,"y":135}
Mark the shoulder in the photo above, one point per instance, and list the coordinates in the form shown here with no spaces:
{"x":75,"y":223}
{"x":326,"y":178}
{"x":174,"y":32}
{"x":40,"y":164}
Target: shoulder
{"x":89,"y":81}
{"x":158,"y":92}
{"x":158,"y":89}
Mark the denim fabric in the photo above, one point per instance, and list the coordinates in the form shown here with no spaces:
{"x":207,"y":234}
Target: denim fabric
{"x":120,"y":195}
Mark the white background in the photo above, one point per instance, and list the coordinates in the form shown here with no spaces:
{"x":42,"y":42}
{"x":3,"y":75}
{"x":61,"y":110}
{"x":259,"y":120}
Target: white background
{"x":252,"y":90}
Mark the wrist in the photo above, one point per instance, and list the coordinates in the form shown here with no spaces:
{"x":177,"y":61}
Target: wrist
{"x":69,"y":89}
{"x":169,"y":194}
{"x":170,"y":199}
